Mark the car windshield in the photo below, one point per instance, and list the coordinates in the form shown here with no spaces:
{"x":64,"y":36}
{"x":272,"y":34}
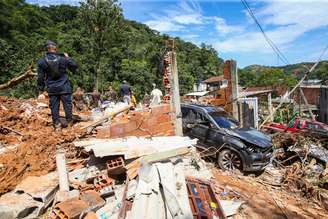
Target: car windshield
{"x":224,"y":121}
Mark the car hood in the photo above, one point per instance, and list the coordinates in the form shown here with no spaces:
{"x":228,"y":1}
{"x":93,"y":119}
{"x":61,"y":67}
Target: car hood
{"x":252,"y":136}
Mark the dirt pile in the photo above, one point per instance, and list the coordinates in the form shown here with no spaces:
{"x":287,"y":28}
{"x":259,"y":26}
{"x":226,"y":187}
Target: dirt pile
{"x":27,"y":140}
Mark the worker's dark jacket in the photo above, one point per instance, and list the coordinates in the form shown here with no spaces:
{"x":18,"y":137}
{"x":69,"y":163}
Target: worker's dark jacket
{"x":57,"y":83}
{"x":125,"y":90}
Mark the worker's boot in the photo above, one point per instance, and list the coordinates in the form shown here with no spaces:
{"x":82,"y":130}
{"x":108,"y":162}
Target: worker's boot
{"x":57,"y":127}
{"x":70,"y":124}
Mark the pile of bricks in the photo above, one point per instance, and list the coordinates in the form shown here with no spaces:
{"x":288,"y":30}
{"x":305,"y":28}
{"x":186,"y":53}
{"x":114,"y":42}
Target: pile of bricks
{"x":154,"y":121}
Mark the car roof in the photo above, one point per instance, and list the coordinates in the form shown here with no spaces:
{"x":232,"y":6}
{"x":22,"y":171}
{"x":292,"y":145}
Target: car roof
{"x":207,"y":108}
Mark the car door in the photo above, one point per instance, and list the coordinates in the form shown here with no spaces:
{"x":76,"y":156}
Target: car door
{"x":185,"y":111}
{"x":199,"y":128}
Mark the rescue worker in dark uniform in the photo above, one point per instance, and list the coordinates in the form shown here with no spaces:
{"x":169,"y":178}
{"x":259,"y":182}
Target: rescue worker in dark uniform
{"x":125,"y":92}
{"x":52,"y":74}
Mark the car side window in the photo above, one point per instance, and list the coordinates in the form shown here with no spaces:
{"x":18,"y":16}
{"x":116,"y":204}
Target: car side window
{"x":184,"y":112}
{"x":191,"y":116}
{"x":201,"y":117}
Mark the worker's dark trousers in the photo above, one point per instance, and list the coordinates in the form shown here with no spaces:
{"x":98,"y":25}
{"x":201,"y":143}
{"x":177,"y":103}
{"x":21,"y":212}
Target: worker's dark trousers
{"x":54,"y":106}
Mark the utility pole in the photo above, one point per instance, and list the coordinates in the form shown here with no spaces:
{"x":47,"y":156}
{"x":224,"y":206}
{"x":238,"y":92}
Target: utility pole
{"x":175,"y":93}
{"x":234,"y":83}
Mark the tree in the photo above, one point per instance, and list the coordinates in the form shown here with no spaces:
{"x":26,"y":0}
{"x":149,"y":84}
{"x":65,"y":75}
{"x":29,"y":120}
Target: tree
{"x":107,"y":47}
{"x":100,"y":20}
{"x":266,"y":77}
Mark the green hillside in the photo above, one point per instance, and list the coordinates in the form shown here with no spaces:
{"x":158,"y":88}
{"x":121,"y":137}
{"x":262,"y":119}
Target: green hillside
{"x":107,"y":47}
{"x":259,"y":75}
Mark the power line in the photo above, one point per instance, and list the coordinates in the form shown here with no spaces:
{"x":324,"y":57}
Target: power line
{"x":296,"y":86}
{"x":280,"y":55}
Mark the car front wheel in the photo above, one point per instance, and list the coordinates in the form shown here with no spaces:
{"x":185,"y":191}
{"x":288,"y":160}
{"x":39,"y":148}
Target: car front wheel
{"x":229,"y":160}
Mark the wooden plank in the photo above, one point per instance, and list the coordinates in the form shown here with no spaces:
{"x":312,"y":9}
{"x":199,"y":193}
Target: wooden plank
{"x":106,"y":117}
{"x":132,"y":168}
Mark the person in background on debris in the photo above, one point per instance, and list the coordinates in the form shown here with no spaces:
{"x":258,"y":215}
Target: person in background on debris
{"x":125,"y":92}
{"x":95,"y":98}
{"x":146,"y":99}
{"x":156,"y":96}
{"x":110,"y":95}
{"x":133,"y":100}
{"x":52,"y":74}
{"x":79,"y":100}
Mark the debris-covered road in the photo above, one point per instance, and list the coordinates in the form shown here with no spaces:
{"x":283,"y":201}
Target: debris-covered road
{"x":266,"y":201}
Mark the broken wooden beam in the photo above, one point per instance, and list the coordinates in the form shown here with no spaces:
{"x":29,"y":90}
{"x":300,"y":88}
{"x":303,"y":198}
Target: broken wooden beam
{"x":164,"y":155}
{"x":16,"y":80}
{"x":106,"y":117}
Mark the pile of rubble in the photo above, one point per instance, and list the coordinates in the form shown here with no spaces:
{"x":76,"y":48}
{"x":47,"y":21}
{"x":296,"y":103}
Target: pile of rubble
{"x":302,"y":165}
{"x":132,"y":177}
{"x":95,"y":170}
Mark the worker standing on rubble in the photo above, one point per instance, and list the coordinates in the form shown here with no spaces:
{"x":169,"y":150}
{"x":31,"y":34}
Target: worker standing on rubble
{"x":125,"y":92}
{"x":78,"y":99}
{"x":110,"y":95}
{"x":52,"y":74}
{"x":156,"y":96}
{"x":95,"y":98}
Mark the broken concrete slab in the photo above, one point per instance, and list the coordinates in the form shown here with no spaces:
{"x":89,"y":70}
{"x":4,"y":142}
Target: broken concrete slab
{"x":40,"y":188}
{"x":133,"y":147}
{"x":230,"y":208}
{"x":14,"y":205}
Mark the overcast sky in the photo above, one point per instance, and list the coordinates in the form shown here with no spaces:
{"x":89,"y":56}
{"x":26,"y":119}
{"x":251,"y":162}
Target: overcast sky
{"x":298,"y":27}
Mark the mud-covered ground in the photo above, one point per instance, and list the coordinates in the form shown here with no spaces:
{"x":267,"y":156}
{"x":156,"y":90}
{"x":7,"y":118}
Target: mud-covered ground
{"x":27,"y":140}
{"x":28,"y":146}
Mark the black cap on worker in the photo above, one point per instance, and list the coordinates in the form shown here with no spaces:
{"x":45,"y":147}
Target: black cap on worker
{"x":50,"y":43}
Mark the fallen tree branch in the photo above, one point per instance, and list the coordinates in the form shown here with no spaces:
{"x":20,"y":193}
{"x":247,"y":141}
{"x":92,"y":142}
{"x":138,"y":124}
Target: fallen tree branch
{"x":14,"y":81}
{"x":11,"y":130}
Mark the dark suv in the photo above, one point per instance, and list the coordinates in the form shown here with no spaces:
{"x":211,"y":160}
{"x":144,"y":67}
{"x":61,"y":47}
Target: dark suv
{"x":219,"y":135}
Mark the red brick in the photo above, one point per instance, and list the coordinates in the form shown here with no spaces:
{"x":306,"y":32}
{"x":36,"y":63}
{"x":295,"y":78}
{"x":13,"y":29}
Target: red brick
{"x":164,"y":118}
{"x":163,"y":127}
{"x":160,"y":109}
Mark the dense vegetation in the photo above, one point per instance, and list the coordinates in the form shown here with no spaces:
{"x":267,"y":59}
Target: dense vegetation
{"x":107,"y":47}
{"x":258,"y":75}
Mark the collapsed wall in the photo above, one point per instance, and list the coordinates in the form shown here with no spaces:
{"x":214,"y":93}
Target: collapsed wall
{"x":154,"y":121}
